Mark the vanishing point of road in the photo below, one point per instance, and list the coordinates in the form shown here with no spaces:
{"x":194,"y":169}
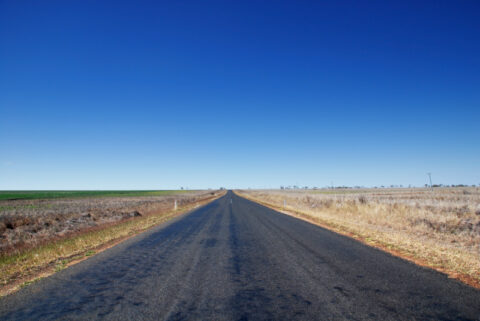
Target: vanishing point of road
{"x":236,"y":260}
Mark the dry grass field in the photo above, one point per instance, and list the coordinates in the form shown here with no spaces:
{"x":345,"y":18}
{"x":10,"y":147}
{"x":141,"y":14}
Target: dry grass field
{"x":40,"y":236}
{"x":439,"y":229}
{"x":27,"y":223}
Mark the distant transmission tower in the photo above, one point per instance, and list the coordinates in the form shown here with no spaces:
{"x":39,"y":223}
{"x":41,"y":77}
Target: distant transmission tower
{"x":430,"y":177}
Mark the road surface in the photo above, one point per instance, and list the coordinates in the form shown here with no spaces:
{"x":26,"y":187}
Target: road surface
{"x":236,"y":260}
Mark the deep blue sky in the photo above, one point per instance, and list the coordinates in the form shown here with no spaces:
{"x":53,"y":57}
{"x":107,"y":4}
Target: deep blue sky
{"x":154,"y":95}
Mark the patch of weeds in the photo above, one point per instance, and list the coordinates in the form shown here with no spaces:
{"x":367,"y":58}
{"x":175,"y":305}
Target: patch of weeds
{"x":27,"y":206}
{"x":61,"y":265}
{"x":31,"y":206}
{"x":24,"y":284}
{"x":89,"y":253}
{"x":27,"y":283}
{"x":363,"y":200}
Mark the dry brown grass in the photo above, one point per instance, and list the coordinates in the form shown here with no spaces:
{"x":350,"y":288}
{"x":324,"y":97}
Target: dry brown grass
{"x":25,"y":263}
{"x":439,"y":229}
{"x":29,"y":223}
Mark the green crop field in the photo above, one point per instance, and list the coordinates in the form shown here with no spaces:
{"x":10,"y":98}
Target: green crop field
{"x":14,"y":195}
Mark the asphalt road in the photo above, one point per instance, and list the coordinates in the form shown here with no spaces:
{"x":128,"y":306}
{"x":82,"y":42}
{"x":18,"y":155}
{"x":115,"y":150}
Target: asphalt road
{"x":236,"y":260}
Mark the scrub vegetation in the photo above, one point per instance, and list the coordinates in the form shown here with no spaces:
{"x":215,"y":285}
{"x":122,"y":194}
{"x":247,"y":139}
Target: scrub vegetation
{"x":439,"y":229}
{"x":42,"y":235}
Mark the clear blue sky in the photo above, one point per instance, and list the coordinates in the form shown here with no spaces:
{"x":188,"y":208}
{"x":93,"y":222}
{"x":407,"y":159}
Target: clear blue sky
{"x":158,"y":95}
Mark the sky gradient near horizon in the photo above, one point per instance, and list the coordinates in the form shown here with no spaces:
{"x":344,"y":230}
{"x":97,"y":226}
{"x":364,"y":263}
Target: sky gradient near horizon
{"x":199,"y":94}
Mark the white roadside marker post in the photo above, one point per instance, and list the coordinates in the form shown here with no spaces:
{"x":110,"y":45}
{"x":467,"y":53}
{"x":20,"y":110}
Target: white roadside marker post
{"x":284,"y":204}
{"x":175,"y":206}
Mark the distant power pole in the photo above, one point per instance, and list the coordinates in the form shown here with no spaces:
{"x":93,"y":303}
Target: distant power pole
{"x":430,"y":177}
